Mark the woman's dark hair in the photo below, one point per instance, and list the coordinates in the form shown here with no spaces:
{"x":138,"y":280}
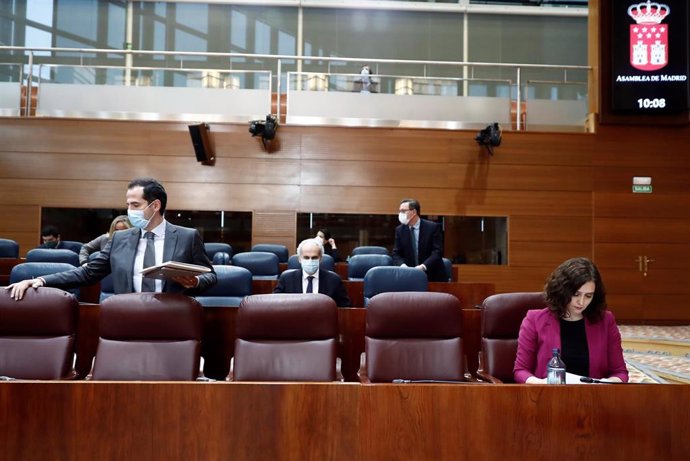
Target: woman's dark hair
{"x":564,"y":282}
{"x":326,"y":234}
{"x":153,"y":190}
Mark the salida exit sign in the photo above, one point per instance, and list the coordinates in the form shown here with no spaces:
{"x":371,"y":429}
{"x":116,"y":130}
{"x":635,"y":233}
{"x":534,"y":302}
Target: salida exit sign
{"x":642,"y":185}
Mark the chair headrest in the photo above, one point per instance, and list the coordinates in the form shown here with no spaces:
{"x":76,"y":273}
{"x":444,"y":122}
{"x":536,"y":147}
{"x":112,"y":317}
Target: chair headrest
{"x":42,"y":312}
{"x":358,"y":265}
{"x":56,"y":256}
{"x":258,"y":262}
{"x":25,"y":271}
{"x":503,"y":313}
{"x":152,"y":316}
{"x":287,"y":316}
{"x":232,"y":281}
{"x":414,"y":315}
{"x":384,"y":279}
{"x":212,"y":248}
{"x":279,"y":250}
{"x":9,"y":248}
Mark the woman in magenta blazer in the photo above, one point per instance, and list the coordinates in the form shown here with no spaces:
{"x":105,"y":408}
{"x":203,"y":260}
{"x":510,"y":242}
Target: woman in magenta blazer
{"x":577,"y":323}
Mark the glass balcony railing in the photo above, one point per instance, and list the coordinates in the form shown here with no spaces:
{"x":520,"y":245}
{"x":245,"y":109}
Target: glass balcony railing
{"x":94,"y":83}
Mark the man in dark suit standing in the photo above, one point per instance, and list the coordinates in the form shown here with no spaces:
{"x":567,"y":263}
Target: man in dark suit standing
{"x":418,"y":242}
{"x":151,"y":241}
{"x":312,"y":279}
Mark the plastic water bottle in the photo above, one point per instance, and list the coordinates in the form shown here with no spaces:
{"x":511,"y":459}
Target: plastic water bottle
{"x":555,"y":369}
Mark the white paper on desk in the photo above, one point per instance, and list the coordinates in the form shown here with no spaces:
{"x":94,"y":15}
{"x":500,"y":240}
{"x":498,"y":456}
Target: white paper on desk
{"x":572,"y":378}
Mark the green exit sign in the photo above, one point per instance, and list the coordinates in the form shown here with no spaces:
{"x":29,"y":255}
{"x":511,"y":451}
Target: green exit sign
{"x":642,"y":188}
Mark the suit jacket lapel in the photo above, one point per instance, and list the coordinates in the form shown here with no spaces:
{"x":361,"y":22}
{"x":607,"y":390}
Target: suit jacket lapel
{"x":132,"y":246}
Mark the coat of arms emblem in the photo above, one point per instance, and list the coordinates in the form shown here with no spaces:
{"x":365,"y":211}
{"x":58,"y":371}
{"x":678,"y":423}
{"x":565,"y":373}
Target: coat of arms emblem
{"x":648,"y":36}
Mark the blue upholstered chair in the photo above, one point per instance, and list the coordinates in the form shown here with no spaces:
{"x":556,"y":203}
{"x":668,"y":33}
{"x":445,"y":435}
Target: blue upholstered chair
{"x":448,"y":267}
{"x":30,"y":270}
{"x":279,"y":250}
{"x":71,"y":245}
{"x":9,"y":248}
{"x":327,"y":263}
{"x":107,"y":288}
{"x":393,"y":279}
{"x":358,"y":265}
{"x":234,"y":283}
{"x":37,"y":335}
{"x":369,"y":250}
{"x":221,"y":258}
{"x":213,"y":248}
{"x":40,"y":255}
{"x":262,"y":265}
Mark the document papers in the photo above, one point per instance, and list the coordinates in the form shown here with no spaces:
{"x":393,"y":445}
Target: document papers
{"x":172,"y":269}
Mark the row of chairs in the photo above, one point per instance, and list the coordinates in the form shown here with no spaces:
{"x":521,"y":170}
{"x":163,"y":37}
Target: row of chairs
{"x":290,"y":337}
{"x":10,"y":248}
{"x":235,"y":282}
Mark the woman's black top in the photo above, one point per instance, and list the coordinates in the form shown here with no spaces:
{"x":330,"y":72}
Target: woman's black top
{"x":332,"y":252}
{"x":574,"y":348}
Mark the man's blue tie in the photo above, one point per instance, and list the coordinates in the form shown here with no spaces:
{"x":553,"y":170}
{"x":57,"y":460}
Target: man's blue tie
{"x":310,"y":285}
{"x":413,"y":241}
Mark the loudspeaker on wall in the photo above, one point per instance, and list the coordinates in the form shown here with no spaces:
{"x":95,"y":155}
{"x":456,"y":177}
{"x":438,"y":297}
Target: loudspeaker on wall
{"x":202,"y":143}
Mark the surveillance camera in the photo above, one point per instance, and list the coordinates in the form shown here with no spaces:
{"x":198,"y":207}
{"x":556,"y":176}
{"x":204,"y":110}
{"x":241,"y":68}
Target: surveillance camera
{"x":489,"y":137}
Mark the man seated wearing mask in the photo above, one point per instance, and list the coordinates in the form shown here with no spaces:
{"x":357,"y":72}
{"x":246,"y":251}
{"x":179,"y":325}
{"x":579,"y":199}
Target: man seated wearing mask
{"x":152,"y":241}
{"x":312,"y":279}
{"x":51,"y":238}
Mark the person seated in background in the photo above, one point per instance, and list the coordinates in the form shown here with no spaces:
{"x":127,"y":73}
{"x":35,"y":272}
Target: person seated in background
{"x":328,"y":242}
{"x":311,"y":278}
{"x":576,"y":322}
{"x":97,"y":244}
{"x":51,"y":238}
{"x":152,"y":241}
{"x":418,"y":242}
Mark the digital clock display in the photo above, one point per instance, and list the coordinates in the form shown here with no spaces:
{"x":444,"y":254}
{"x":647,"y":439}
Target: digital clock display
{"x":650,"y":56}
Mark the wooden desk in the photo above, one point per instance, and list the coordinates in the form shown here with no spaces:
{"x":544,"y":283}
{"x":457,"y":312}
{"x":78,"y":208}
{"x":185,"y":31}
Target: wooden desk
{"x":298,"y":421}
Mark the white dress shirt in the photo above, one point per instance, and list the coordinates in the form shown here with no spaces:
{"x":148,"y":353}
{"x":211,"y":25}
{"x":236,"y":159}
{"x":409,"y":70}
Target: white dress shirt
{"x":158,"y":242}
{"x":314,"y":282}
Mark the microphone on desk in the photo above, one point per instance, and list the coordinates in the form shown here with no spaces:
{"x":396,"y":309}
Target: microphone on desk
{"x":587,"y":379}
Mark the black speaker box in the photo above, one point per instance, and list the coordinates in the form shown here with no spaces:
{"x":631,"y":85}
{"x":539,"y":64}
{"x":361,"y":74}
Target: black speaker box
{"x":202,"y":143}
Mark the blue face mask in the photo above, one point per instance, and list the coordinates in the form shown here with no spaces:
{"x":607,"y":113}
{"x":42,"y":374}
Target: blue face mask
{"x":136,"y":217}
{"x":310,"y":266}
{"x":51,"y":244}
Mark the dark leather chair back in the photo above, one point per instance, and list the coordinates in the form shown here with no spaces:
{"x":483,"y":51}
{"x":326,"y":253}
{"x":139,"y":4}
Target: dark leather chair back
{"x":213,"y":248}
{"x":358,"y":265}
{"x":388,"y":279}
{"x":9,"y":248}
{"x":502,"y":315}
{"x":327,"y":263}
{"x":37,"y":334}
{"x":149,"y":336}
{"x":234,"y":284}
{"x":26,"y":271}
{"x":369,"y":250}
{"x":286,"y":337}
{"x":263,"y":265}
{"x":413,"y":336}
{"x":41,"y":255}
{"x":279,"y":250}
{"x":221,"y":258}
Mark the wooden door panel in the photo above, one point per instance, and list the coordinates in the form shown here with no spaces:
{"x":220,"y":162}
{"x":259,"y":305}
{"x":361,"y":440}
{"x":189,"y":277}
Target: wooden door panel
{"x":642,"y":230}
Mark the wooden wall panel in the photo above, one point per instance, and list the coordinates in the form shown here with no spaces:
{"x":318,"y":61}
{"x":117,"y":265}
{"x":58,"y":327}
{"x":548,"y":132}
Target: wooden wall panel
{"x":563,"y":194}
{"x":21,"y":223}
{"x":275,"y":227}
{"x":550,"y":228}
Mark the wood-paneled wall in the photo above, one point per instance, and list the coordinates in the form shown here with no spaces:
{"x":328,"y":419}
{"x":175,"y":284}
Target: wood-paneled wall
{"x":564,"y":195}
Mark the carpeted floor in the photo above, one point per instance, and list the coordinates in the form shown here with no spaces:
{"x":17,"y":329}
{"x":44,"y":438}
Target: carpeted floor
{"x":657,"y":354}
